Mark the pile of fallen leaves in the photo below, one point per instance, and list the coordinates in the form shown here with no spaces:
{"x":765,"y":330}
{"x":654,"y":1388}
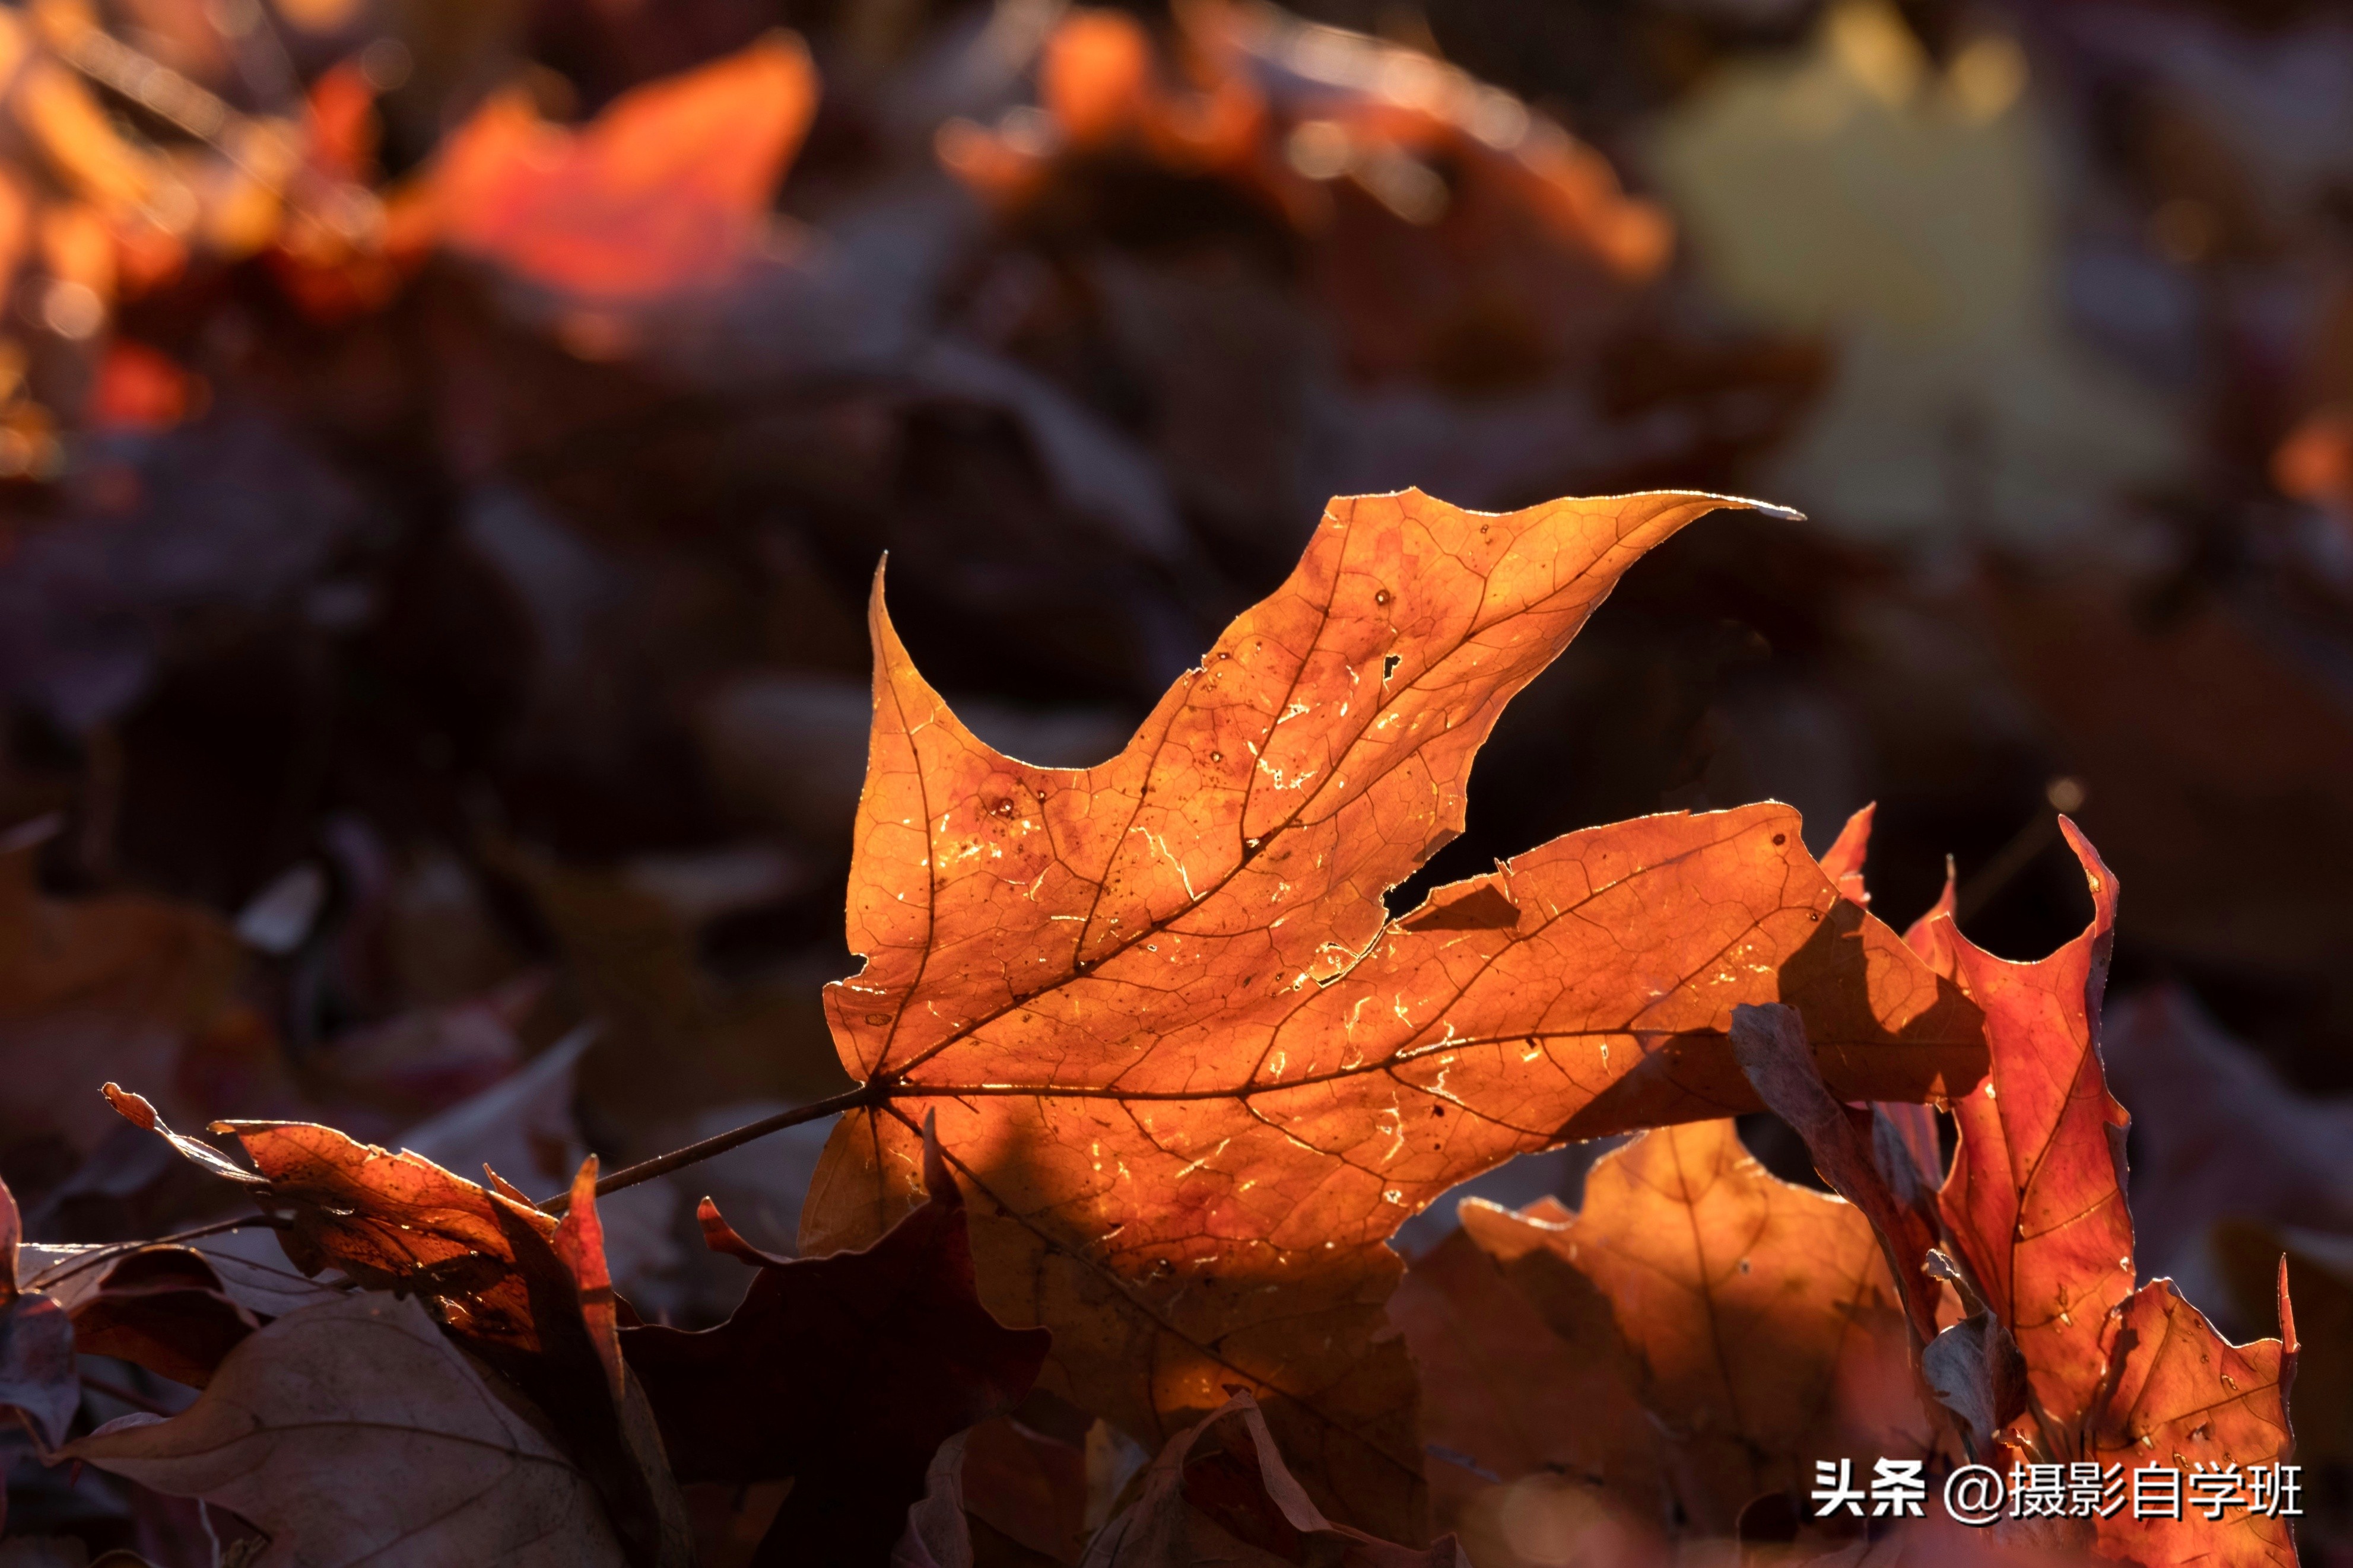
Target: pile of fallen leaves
{"x":1095,"y":1266}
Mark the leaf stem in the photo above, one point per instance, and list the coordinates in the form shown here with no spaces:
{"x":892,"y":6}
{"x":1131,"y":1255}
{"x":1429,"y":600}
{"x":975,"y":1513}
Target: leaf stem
{"x":67,"y":1268}
{"x":872,"y":1092}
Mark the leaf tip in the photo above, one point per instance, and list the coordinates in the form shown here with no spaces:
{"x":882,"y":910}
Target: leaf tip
{"x":720,"y":1237}
{"x":584,"y":1186}
{"x":132,"y":1108}
{"x":2288,"y":1341}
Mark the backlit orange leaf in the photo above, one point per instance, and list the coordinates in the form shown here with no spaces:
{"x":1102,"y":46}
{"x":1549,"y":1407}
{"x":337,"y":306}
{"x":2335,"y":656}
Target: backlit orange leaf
{"x":1842,"y":862}
{"x":667,"y":189}
{"x":1196,"y":1077}
{"x":2181,"y":1394}
{"x":1763,"y":1330}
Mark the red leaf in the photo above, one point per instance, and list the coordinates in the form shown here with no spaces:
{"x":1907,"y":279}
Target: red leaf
{"x":2035,"y":1203}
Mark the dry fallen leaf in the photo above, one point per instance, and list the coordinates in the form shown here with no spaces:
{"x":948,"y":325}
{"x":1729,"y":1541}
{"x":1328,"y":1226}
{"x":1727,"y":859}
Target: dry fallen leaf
{"x":162,"y":1308}
{"x":1867,"y":1166}
{"x":2179,"y":1394}
{"x":1220,"y":1493}
{"x":2068,"y":1362}
{"x":38,"y":1379}
{"x":1522,"y":1373}
{"x":355,"y":1432}
{"x":529,"y":1295}
{"x":1193,"y":1076}
{"x":1762,"y":1327}
{"x":2035,"y":1202}
{"x":843,"y":1374}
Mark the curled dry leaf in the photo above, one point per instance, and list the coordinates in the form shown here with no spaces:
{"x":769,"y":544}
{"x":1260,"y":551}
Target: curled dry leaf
{"x":1762,"y":1328}
{"x":2067,"y":1361}
{"x":667,"y":189}
{"x":355,"y":1432}
{"x":163,"y":1308}
{"x":1220,"y":1493}
{"x":1770,"y":1039}
{"x":529,"y":1295}
{"x":843,"y":1374}
{"x":2035,"y":1202}
{"x":1194,"y":1075}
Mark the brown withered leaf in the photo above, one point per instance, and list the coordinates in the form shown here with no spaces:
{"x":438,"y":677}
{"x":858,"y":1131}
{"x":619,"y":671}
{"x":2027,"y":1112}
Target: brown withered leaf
{"x":665,"y":190}
{"x":1763,"y":1331}
{"x":1196,"y":1077}
{"x":1220,"y":1493}
{"x":2179,"y":1394}
{"x":37,"y":1378}
{"x":843,"y":1374}
{"x":2035,"y":1201}
{"x":355,"y":1432}
{"x":1508,"y":1391}
{"x":1770,"y":1041}
{"x":530,"y":1296}
{"x":163,"y":1308}
{"x":937,"y":1535}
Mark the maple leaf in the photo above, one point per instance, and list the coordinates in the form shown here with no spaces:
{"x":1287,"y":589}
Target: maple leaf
{"x":844,"y":1374}
{"x":2035,"y":1200}
{"x":1220,"y":1493}
{"x":665,"y":190}
{"x":1755,"y":1321}
{"x":2179,"y":1394}
{"x":1191,"y":1072}
{"x":355,"y":1432}
{"x":1502,"y":1368}
{"x":2034,"y":1211}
